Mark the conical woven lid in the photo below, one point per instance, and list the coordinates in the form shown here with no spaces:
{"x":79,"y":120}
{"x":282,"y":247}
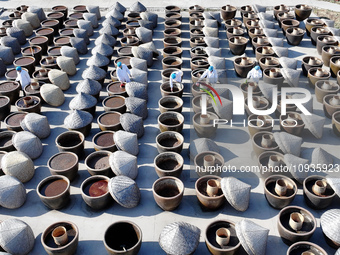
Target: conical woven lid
{"x":109,"y":29}
{"x":216,"y":16}
{"x":330,"y":224}
{"x":213,"y":51}
{"x":81,"y":33}
{"x":236,"y":192}
{"x":179,"y":238}
{"x":12,"y":192}
{"x":139,"y":76}
{"x":217,"y":62}
{"x":320,"y":156}
{"x":16,"y":237}
{"x":94,"y":73}
{"x":291,"y":76}
{"x":112,"y":21}
{"x":288,"y":143}
{"x":117,"y":5}
{"x":275,"y":41}
{"x":127,"y":142}
{"x":334,"y":182}
{"x":293,"y":163}
{"x":224,"y":111}
{"x":98,"y":59}
{"x":335,"y":31}
{"x":78,"y":119}
{"x":145,"y":53}
{"x":150,"y":16}
{"x":288,"y":62}
{"x":105,"y":39}
{"x":210,"y":23}
{"x":137,"y":7}
{"x":252,"y":237}
{"x":308,"y":105}
{"x":89,"y":86}
{"x":71,"y":52}
{"x":266,"y":23}
{"x":210,"y":31}
{"x":18,"y":165}
{"x":52,"y":94}
{"x":136,"y":89}
{"x":269,"y":32}
{"x":132,"y":123}
{"x":213,"y":42}
{"x":138,"y":63}
{"x":103,"y":49}
{"x":116,"y":14}
{"x":314,"y":123}
{"x":144,"y":34}
{"x":94,"y":9}
{"x":79,"y":44}
{"x":267,"y":16}
{"x":200,"y":145}
{"x":151,"y":46}
{"x":92,"y":17}
{"x":146,"y":24}
{"x":281,"y":51}
{"x":28,"y":143}
{"x":82,"y":101}
{"x":124,"y":191}
{"x":137,"y":106}
{"x":267,"y":90}
{"x":259,"y":8}
{"x":123,"y":163}
{"x":87,"y":25}
{"x":60,"y":78}
{"x":329,"y":22}
{"x":37,"y":124}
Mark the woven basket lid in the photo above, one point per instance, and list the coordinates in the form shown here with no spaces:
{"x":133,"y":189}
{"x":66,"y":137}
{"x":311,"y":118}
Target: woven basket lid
{"x":269,"y":32}
{"x":137,"y":7}
{"x":112,"y":21}
{"x":267,"y":90}
{"x":259,"y":8}
{"x":291,"y":76}
{"x":150,"y":16}
{"x":252,"y":237}
{"x":59,"y":77}
{"x":151,"y":46}
{"x":17,"y":33}
{"x":335,"y":31}
{"x":217,"y":62}
{"x":94,"y":73}
{"x":11,"y":42}
{"x":147,"y":54}
{"x":138,"y":63}
{"x":52,"y":94}
{"x":78,"y":119}
{"x":12,"y":192}
{"x":137,"y":106}
{"x":236,"y":192}
{"x":179,"y":238}
{"x":87,"y":25}
{"x":127,"y":142}
{"x":24,"y":25}
{"x":315,"y":124}
{"x":308,"y":105}
{"x":329,"y":22}
{"x":38,"y":10}
{"x":317,"y":156}
{"x":144,"y":34}
{"x":28,"y":143}
{"x":6,"y":54}
{"x":118,"y":6}
{"x":94,"y":9}
{"x":288,"y":143}
{"x":116,"y":14}
{"x":81,"y":33}
{"x":89,"y":86}
{"x":135,"y":89}
{"x":224,"y":111}
{"x":105,"y":39}
{"x":213,"y":51}
{"x":92,"y":17}
{"x":67,"y":65}
{"x":79,"y":44}
{"x":276,"y":41}
{"x":213,"y":15}
{"x":32,"y":18}
{"x":210,"y":23}
{"x":132,"y":123}
{"x":266,"y":23}
{"x":293,"y":162}
{"x":330,"y":224}
{"x":139,"y":76}
{"x":210,"y":31}
{"x":146,"y":24}
{"x":280,"y":51}
{"x":110,"y":30}
{"x":103,"y":49}
{"x":286,"y":62}
{"x":334,"y":182}
{"x":37,"y":124}
{"x":16,"y":237}
{"x":123,"y":163}
{"x":70,"y":52}
{"x":98,"y":59}
{"x":200,"y":145}
{"x":18,"y":165}
{"x":82,"y":101}
{"x":124,"y":191}
{"x":267,"y":16}
{"x":213,"y":42}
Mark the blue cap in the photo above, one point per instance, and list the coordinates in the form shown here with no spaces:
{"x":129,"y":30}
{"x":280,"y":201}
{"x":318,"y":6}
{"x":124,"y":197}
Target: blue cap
{"x":257,"y":68}
{"x":119,"y":64}
{"x":173,"y":76}
{"x":211,"y":68}
{"x":18,"y":68}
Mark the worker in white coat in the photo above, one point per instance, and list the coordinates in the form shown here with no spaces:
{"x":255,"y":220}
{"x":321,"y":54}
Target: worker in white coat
{"x":23,"y":77}
{"x":255,"y":74}
{"x":210,"y":74}
{"x":123,"y":74}
{"x":175,"y":77}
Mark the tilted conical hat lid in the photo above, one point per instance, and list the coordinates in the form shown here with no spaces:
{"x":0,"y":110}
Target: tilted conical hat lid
{"x":124,"y":191}
{"x":123,"y":163}
{"x":179,"y":238}
{"x":293,"y":163}
{"x":291,"y":76}
{"x":213,"y":42}
{"x":270,"y":32}
{"x":126,"y":141}
{"x":27,"y":143}
{"x":52,"y":94}
{"x":224,"y":111}
{"x":236,"y":192}
{"x":37,"y":124}
{"x":267,"y":90}
{"x":330,"y":224}
{"x":266,"y":23}
{"x":137,"y":7}
{"x":280,"y":51}
{"x":146,"y":24}
{"x":252,"y":237}
{"x":12,"y":192}
{"x":288,"y":143}
{"x":144,"y":34}
{"x":138,"y":63}
{"x":200,"y":145}
{"x":213,"y":51}
{"x":137,"y":106}
{"x":314,"y":123}
{"x":132,"y":123}
{"x":275,"y":41}
{"x":286,"y":62}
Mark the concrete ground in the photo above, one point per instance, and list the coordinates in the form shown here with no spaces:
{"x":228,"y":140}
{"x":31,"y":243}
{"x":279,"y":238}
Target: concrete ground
{"x":234,"y":142}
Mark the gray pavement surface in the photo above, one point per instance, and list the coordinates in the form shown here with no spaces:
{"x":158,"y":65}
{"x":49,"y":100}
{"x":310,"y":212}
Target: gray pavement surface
{"x":234,"y":142}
